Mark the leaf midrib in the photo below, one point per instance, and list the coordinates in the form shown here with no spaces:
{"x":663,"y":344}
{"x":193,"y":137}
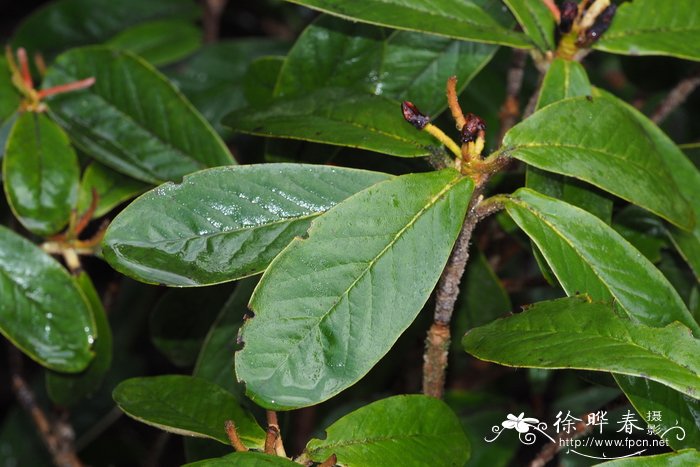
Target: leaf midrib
{"x":283,"y":118}
{"x":379,"y":439}
{"x":527,"y":206}
{"x":225,"y":233}
{"x":642,"y":32}
{"x":651,"y":353}
{"x":504,"y":33}
{"x":449,"y":186}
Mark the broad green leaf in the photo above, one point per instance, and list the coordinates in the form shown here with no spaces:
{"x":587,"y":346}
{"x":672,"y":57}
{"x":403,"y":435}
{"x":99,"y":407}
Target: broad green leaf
{"x":112,"y":189}
{"x":187,"y":406}
{"x":336,"y":116}
{"x":588,"y":256}
{"x":459,"y":19}
{"x":5,"y":129}
{"x":180,"y":320}
{"x":42,"y":311}
{"x":564,"y":79}
{"x":40,"y":174}
{"x":63,"y":24}
{"x":654,"y":27}
{"x":160,"y":42}
{"x":684,"y":458}
{"x":215,"y":360}
{"x":9,"y":96}
{"x":384,"y":432}
{"x":676,"y":409}
{"x":226,"y":223}
{"x":212,"y":78}
{"x":245,"y":459}
{"x":396,"y":64}
{"x":536,"y":20}
{"x":326,"y":311}
{"x":132,"y":119}
{"x":686,"y":176}
{"x":65,"y":389}
{"x":261,"y":78}
{"x":597,"y":140}
{"x":579,"y":334}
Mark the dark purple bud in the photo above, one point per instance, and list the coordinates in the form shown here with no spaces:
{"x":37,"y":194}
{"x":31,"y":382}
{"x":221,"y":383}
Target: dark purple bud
{"x":413,"y":115}
{"x":602,"y":23}
{"x":471,"y":129}
{"x":569,"y":11}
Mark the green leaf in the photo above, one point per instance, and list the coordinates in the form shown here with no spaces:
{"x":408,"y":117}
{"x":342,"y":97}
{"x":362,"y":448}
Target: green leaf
{"x":63,"y":24}
{"x":327,"y":311}
{"x":588,"y":256}
{"x":382,"y":433}
{"x":160,"y":42}
{"x":686,"y":176}
{"x":579,"y":334}
{"x":536,"y":20}
{"x":42,"y":311}
{"x":459,"y":19}
{"x":676,"y":409}
{"x":396,"y":64}
{"x":261,"y":78}
{"x":682,"y":458}
{"x":212,"y":78}
{"x":112,"y":189}
{"x":222,"y":224}
{"x":66,"y":389}
{"x":40,"y":174}
{"x":187,"y":406}
{"x":132,"y":119}
{"x":564,"y":79}
{"x":597,"y":140}
{"x":654,"y":27}
{"x":180,"y":320}
{"x":215,"y":360}
{"x":245,"y":459}
{"x":9,"y":96}
{"x":336,"y":116}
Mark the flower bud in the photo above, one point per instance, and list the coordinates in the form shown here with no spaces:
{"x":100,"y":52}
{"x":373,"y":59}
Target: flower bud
{"x":472,"y":128}
{"x":414,"y":116}
{"x":569,"y":11}
{"x":602,"y":23}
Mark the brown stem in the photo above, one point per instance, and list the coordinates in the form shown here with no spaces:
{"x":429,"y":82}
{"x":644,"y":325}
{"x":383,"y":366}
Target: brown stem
{"x":233,"y":436}
{"x":676,"y":97}
{"x":212,"y":18}
{"x":510,"y":110}
{"x":551,"y":449}
{"x":56,"y":435}
{"x":274,"y":435}
{"x":438,"y":339}
{"x":330,"y":462}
